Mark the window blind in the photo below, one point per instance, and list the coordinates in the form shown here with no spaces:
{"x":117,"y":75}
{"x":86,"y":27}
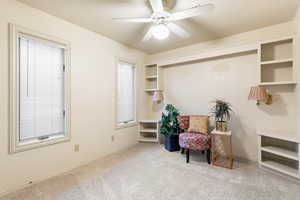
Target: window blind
{"x":41,"y":89}
{"x":126,"y":93}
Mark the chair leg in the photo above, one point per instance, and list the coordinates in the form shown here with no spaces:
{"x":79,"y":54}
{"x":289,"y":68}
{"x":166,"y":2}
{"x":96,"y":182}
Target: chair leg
{"x":208,"y":156}
{"x":187,"y":155}
{"x":182,"y":150}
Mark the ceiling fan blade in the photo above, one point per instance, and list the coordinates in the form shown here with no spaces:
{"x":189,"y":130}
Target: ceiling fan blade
{"x":148,"y":35}
{"x":134,"y":20}
{"x":157,"y":5}
{"x":178,"y":30}
{"x":192,"y":12}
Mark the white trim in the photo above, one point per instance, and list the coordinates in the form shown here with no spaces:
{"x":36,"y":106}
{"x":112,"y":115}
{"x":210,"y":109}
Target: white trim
{"x":15,"y":145}
{"x":211,"y":54}
{"x":43,"y":41}
{"x":134,"y":122}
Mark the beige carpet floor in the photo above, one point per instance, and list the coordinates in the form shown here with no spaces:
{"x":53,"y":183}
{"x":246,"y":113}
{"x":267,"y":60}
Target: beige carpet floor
{"x":148,"y":172}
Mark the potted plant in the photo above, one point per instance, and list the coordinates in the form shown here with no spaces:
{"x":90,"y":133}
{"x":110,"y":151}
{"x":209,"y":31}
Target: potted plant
{"x":221,"y":111}
{"x":170,"y":128}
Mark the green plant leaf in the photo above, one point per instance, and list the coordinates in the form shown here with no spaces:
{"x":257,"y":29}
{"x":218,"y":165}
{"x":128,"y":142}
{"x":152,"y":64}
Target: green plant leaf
{"x":170,"y":124}
{"x":221,"y":110}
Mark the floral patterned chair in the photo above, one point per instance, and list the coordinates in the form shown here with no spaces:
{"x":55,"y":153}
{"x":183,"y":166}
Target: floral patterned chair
{"x":193,"y":141}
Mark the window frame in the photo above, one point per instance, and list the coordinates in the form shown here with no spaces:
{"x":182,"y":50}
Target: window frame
{"x":134,"y":122}
{"x":16,"y":145}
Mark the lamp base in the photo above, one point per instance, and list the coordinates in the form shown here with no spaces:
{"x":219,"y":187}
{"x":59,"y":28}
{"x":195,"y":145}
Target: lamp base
{"x":268,"y":102}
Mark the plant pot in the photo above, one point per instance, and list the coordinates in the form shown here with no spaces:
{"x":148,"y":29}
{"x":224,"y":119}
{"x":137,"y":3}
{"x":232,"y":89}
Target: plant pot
{"x":221,"y":126}
{"x":172,"y":143}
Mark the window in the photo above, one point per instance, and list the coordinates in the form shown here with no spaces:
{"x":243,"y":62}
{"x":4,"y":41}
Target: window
{"x":126,"y":101}
{"x":40,"y":105}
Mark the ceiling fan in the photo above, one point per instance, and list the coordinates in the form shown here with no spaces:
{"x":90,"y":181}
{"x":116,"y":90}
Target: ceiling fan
{"x":163,"y":21}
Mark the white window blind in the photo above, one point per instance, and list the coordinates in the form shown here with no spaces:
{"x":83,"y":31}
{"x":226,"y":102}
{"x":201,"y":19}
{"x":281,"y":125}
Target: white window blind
{"x":126,"y":93}
{"x":41,"y":89}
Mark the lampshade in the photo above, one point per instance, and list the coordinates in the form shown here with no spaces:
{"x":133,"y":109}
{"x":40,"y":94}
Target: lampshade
{"x":157,"y":96}
{"x":258,"y":93}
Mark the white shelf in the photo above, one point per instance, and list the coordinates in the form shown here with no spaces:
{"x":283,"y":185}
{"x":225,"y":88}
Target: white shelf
{"x":148,"y":140}
{"x":282,"y":135}
{"x":151,"y":77}
{"x":149,"y":121}
{"x":277,"y":83}
{"x":151,"y":90}
{"x":281,"y":168}
{"x":281,"y":152}
{"x":277,"y":40}
{"x":151,"y":65}
{"x":148,"y":130}
{"x":276,"y":61}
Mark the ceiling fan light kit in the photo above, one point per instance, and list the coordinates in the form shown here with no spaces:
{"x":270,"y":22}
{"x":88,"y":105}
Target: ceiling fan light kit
{"x":160,"y":31}
{"x":163,"y":22}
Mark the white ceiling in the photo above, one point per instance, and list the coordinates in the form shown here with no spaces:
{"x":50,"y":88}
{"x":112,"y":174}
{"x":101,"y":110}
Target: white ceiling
{"x":229,"y":17}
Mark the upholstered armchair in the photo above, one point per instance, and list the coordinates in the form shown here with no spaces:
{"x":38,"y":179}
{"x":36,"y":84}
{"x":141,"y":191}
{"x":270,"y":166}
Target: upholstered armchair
{"x":190,"y":140}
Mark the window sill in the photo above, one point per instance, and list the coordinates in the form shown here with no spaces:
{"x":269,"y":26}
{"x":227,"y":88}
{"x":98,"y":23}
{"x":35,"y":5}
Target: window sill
{"x":36,"y":143}
{"x":127,"y":125}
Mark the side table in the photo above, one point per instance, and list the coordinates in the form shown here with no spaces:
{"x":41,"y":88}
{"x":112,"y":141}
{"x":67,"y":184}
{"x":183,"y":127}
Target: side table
{"x":222,"y":149}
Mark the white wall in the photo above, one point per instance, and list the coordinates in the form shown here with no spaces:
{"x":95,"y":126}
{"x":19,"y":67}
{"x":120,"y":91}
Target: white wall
{"x":93,"y":103}
{"x":191,"y":87}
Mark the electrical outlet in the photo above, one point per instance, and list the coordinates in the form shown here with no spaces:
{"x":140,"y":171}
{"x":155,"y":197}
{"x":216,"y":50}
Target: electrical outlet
{"x":76,"y":148}
{"x":112,"y":138}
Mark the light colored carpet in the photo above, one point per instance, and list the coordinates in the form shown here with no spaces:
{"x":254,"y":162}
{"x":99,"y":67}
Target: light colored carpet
{"x":147,"y":172}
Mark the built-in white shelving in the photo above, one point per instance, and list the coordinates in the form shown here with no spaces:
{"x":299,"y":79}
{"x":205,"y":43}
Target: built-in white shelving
{"x":276,"y":63}
{"x":279,"y":151}
{"x":152,"y":78}
{"x":148,"y":131}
